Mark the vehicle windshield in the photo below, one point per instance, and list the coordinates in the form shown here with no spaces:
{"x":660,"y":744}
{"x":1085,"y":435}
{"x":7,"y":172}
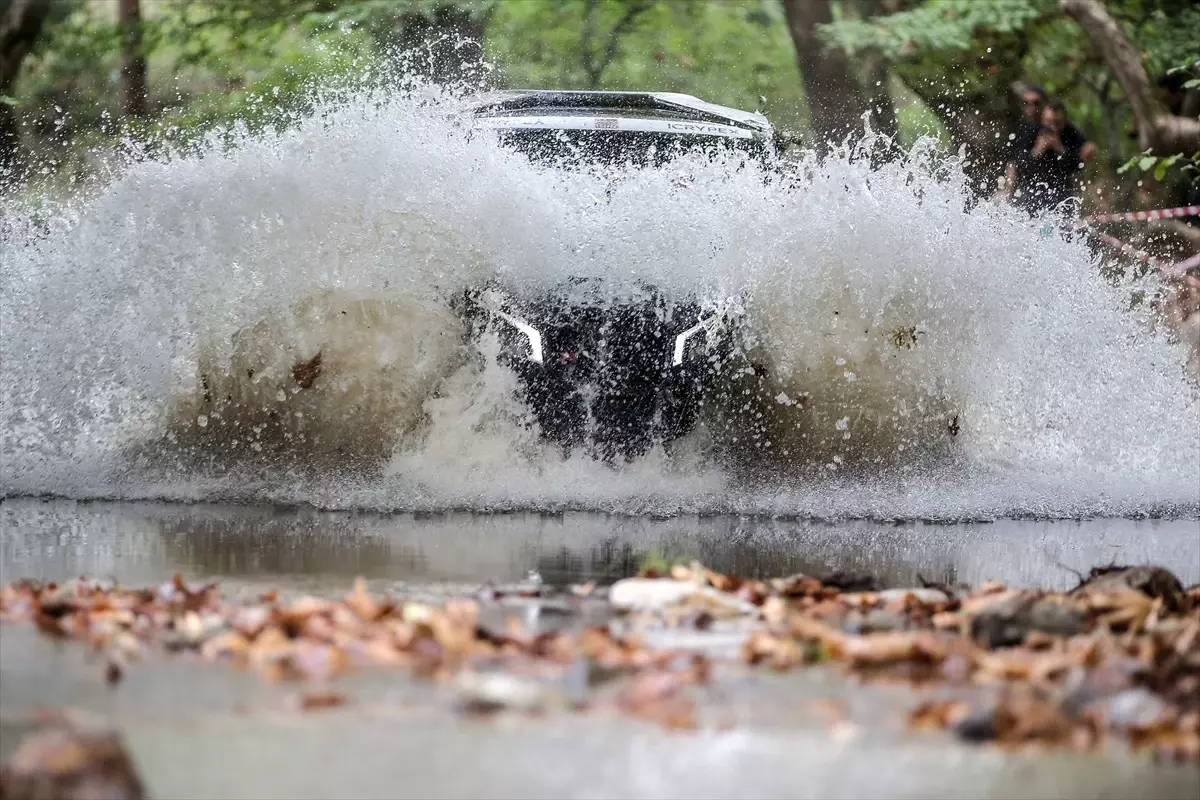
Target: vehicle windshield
{"x":619,"y":148}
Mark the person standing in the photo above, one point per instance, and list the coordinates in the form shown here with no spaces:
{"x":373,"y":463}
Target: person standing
{"x":1035,"y":103}
{"x":1044,"y":175}
{"x":1033,"y":100}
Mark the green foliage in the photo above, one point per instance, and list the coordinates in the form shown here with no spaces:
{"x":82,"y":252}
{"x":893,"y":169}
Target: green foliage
{"x":271,"y":93}
{"x":733,"y":52}
{"x":963,"y":56}
{"x":1161,"y":166}
{"x":210,"y":64}
{"x":1191,"y":70}
{"x":213,"y":63}
{"x":936,"y":25}
{"x":658,"y":562}
{"x":1167,"y":35}
{"x":379,"y":16}
{"x":75,"y":64}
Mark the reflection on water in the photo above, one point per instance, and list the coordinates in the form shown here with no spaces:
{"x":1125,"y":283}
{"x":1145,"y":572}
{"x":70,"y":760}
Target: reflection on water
{"x":315,"y":550}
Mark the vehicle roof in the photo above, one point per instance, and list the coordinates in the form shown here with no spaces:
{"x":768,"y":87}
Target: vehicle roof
{"x":628,"y":105}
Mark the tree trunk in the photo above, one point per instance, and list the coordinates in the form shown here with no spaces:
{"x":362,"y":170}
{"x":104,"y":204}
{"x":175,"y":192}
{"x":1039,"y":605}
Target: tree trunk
{"x":878,"y":75}
{"x":1158,"y":130}
{"x":595,"y":63}
{"x":20,"y":26}
{"x":836,"y":101}
{"x":133,"y":59}
{"x":883,"y":110}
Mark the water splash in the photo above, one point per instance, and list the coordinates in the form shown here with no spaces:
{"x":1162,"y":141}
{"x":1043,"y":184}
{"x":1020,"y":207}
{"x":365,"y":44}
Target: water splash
{"x":916,"y":359}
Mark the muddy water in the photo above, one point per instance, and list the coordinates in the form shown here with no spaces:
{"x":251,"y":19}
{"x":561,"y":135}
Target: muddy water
{"x":919,"y":361}
{"x":324,"y":551}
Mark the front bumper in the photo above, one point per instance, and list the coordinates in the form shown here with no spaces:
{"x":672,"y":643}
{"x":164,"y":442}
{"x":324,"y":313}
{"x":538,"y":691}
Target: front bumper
{"x":614,"y":377}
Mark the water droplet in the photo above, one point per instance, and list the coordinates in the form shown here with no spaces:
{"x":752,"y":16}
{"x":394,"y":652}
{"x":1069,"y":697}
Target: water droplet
{"x":202,"y":421}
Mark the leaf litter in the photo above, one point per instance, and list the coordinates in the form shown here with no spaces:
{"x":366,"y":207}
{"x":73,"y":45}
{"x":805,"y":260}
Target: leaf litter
{"x":1115,"y":659}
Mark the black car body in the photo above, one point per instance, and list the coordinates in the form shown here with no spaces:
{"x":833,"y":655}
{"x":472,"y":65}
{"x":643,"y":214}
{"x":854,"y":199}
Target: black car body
{"x":612,"y":375}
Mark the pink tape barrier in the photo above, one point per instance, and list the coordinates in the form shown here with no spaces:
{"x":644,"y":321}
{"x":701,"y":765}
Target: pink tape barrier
{"x":1183,"y":266}
{"x":1143,"y":216}
{"x":1127,"y":249}
{"x":1174,"y":270}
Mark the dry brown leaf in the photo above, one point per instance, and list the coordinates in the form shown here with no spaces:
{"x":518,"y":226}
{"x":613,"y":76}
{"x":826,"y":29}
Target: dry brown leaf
{"x":877,"y":649}
{"x":938,"y":714}
{"x":362,"y":603}
{"x":311,"y":701}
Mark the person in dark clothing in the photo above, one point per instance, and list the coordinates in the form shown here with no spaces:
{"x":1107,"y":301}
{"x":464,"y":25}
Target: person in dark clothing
{"x":1033,"y":102}
{"x":1034,"y":106}
{"x":1045,"y":174}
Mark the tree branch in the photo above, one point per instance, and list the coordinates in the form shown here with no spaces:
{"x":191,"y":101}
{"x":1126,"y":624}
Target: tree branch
{"x":21,"y":24}
{"x":585,"y":43}
{"x":19,"y":31}
{"x":612,"y":46}
{"x":1157,"y":130}
{"x":133,"y":59}
{"x":631,"y":14}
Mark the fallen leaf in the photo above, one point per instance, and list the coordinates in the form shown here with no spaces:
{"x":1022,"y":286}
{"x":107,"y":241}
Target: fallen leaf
{"x":312,"y":701}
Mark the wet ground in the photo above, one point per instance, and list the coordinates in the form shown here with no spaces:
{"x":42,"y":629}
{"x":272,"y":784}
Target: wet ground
{"x":197,"y":730}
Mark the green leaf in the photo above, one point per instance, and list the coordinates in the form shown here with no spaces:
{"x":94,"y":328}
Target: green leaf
{"x":1147,"y":162}
{"x":1160,"y":171}
{"x":8,"y":101}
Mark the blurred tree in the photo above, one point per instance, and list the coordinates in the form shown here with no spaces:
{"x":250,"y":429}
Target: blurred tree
{"x":875,"y":70}
{"x":447,"y":38}
{"x":21,"y":23}
{"x":594,"y":63}
{"x":440,"y":39}
{"x":1158,"y":129}
{"x":836,"y":100}
{"x":735,"y":52}
{"x":963,"y":57}
{"x":133,"y":59}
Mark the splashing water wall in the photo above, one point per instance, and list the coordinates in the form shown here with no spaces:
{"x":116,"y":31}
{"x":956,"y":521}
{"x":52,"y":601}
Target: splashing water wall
{"x":271,"y":322}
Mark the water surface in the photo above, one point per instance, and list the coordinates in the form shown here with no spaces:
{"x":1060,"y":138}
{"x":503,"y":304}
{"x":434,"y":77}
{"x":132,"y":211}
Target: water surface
{"x":322,"y":550}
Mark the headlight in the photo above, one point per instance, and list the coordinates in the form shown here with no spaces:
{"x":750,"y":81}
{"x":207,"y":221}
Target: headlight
{"x":709,"y":325}
{"x":494,"y":301}
{"x":681,"y":342}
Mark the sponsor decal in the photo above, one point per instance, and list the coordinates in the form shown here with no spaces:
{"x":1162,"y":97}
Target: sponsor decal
{"x":697,"y":127}
{"x":632,"y":124}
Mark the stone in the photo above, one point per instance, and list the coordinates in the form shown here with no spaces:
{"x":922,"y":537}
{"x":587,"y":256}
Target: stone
{"x":657,"y":595}
{"x":482,"y":692}
{"x":1154,"y":582}
{"x":1006,"y":622}
{"x":1136,"y":708}
{"x":71,"y":759}
{"x":923,"y":595}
